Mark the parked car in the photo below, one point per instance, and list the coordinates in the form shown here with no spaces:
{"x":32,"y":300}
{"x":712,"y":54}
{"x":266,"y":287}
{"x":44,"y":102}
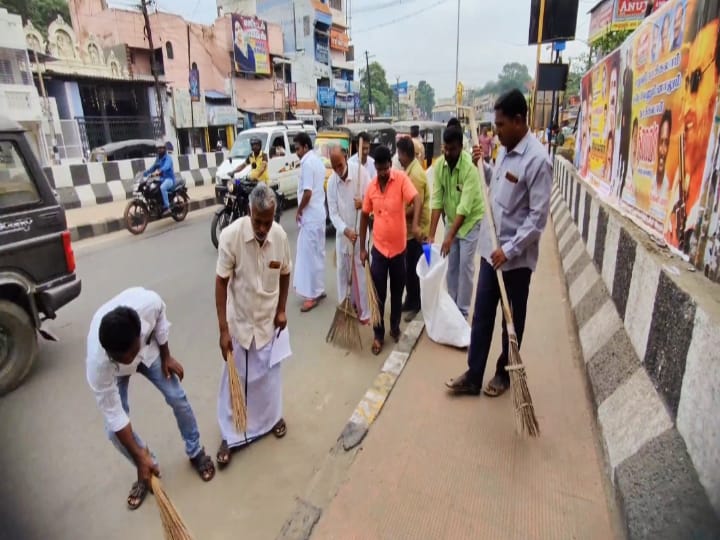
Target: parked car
{"x":277,"y":143}
{"x":37,"y":264}
{"x":130,"y":149}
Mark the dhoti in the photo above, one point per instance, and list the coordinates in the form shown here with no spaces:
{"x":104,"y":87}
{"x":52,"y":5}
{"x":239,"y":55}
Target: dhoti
{"x":262,"y":383}
{"x":358,"y":295}
{"x":309,"y":277}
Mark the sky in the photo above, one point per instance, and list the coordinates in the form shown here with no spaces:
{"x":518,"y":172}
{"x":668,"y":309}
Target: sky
{"x":416,"y":39}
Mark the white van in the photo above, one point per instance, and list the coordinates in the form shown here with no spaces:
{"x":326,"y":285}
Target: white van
{"x":277,"y":143}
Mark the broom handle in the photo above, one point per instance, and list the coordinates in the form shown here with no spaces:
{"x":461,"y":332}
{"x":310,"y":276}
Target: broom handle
{"x":493,"y":232}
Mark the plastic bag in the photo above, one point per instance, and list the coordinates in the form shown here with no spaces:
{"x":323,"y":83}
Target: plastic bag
{"x":443,"y":321}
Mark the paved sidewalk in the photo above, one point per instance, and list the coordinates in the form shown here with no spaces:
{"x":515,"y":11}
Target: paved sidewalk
{"x":107,"y":218}
{"x":433,"y":466}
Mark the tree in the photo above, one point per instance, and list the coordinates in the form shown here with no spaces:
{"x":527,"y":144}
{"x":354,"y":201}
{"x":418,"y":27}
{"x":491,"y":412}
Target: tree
{"x":608,"y":42}
{"x":382,"y":95}
{"x":40,"y":12}
{"x":578,"y":67}
{"x":425,"y":98}
{"x":513,"y":75}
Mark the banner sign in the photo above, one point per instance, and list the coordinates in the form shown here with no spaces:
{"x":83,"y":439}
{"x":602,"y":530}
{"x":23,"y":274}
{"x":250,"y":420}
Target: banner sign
{"x":292,"y":94}
{"x":601,"y":18}
{"x":400,"y":89}
{"x":339,"y":41}
{"x":628,"y":14}
{"x":250,"y":45}
{"x":194,"y":81}
{"x":326,"y":96}
{"x":647,"y":137}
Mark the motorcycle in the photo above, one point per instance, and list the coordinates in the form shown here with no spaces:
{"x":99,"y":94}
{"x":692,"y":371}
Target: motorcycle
{"x":147,"y":205}
{"x":236,"y":204}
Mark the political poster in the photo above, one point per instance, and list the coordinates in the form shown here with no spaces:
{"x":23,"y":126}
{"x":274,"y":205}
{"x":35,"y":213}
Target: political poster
{"x":250,"y":45}
{"x":628,"y":14}
{"x":653,"y":152}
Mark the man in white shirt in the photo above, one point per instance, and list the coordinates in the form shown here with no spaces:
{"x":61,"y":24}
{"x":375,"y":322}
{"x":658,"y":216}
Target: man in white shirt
{"x":251,"y":290}
{"x":309,"y":279}
{"x":130,"y":334}
{"x":345,"y":193}
{"x":367,"y":161}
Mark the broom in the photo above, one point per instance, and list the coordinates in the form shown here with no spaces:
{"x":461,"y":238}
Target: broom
{"x":344,"y":330}
{"x":237,"y":395}
{"x":525,"y":419}
{"x":173,"y":525}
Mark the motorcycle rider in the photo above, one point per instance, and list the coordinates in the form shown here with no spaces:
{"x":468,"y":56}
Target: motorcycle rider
{"x":258,"y":160}
{"x":163,"y":168}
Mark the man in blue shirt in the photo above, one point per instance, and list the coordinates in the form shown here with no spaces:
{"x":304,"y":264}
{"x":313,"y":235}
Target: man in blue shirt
{"x":163,"y":167}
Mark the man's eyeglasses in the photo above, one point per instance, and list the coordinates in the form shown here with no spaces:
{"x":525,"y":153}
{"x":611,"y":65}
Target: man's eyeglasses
{"x":694,"y":78}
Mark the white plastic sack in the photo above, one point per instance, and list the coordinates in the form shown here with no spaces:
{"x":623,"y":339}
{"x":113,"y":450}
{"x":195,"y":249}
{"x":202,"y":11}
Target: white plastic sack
{"x":443,"y":321}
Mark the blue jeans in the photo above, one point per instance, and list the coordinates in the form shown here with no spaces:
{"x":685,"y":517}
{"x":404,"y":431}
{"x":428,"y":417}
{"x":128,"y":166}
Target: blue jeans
{"x":174,"y":396}
{"x":166,"y":185}
{"x":517,"y":283}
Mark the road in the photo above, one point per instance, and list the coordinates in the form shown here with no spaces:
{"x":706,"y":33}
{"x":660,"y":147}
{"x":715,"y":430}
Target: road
{"x":62,"y":479}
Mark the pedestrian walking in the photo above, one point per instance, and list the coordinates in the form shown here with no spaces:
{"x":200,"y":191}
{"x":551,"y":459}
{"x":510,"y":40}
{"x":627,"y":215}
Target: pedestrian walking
{"x":345,"y":191}
{"x":414,"y":249}
{"x":365,"y":158}
{"x":309,"y":279}
{"x":129,"y":334}
{"x":457,"y":194}
{"x":386,"y":197}
{"x":485,"y":143}
{"x":520,"y":198}
{"x":251,"y":290}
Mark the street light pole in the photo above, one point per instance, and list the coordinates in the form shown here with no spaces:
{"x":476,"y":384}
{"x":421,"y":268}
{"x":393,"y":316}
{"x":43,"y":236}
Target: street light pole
{"x":457,"y":59}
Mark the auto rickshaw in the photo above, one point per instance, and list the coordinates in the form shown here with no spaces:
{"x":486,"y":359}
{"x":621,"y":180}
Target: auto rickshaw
{"x":326,"y":140}
{"x":431,"y":134}
{"x":380,"y":133}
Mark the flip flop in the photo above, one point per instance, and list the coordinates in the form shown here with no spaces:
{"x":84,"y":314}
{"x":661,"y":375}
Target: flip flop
{"x":280,"y":429}
{"x":377,"y":347}
{"x":309,"y":305}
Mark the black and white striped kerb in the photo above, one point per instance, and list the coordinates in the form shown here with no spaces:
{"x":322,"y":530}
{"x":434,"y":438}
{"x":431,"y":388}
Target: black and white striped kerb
{"x":651,"y":351}
{"x":88,"y":184}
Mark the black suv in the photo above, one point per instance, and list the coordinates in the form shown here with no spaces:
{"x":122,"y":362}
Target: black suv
{"x":37,"y":264}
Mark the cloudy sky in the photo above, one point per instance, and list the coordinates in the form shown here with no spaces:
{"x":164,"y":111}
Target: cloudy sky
{"x":416,"y":39}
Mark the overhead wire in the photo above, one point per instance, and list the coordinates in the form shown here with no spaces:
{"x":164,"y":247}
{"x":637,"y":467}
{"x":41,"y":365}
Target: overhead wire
{"x":400,"y":19}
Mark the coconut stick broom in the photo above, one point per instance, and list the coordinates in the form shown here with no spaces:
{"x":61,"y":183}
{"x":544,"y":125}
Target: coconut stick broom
{"x":237,"y":395}
{"x":345,"y":330}
{"x":174,"y":527}
{"x":525,"y":419}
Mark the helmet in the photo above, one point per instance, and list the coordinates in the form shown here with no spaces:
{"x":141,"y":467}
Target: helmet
{"x":255,"y":140}
{"x":159,"y":144}
{"x":169,"y":146}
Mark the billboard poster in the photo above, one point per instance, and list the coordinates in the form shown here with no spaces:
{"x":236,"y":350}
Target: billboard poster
{"x":628,"y":14}
{"x":647,"y":136}
{"x":250,"y":45}
{"x":602,"y":104}
{"x":194,"y":82}
{"x":600,"y":19}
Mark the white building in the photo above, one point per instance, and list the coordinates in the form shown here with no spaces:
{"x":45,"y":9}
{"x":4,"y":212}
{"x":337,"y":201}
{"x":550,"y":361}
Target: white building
{"x":316,"y":41}
{"x":19,"y":99}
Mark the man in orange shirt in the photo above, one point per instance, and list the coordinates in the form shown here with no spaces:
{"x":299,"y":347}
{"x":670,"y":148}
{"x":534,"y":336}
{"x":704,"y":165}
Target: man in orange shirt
{"x":386,"y":197}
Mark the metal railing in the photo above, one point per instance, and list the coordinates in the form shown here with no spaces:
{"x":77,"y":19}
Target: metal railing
{"x":97,"y":130}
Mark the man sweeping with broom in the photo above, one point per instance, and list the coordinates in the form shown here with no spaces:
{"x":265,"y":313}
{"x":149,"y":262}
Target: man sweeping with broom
{"x":520,"y":190}
{"x":251,"y":290}
{"x":345,"y":192}
{"x":129,"y":334}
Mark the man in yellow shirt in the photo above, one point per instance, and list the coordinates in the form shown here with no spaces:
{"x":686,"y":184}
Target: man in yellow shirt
{"x":258,"y":160}
{"x":413,"y":168}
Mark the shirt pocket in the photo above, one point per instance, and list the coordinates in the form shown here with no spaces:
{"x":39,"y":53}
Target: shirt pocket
{"x":508,"y":193}
{"x":271,"y":279}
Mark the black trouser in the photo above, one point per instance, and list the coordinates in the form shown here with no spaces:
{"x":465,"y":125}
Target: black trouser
{"x":381,"y":267}
{"x":517,"y":284}
{"x":413,"y":252}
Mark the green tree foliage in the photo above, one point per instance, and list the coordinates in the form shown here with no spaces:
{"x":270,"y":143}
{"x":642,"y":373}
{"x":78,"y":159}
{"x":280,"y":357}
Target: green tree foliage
{"x":382,"y":94}
{"x":608,"y":42}
{"x":425,"y":97}
{"x":578,"y":67}
{"x":40,"y":12}
{"x":513,"y":75}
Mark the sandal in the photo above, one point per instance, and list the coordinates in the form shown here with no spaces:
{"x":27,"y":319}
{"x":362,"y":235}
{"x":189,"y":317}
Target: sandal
{"x":280,"y":429}
{"x":137,"y":495}
{"x":496,"y":387}
{"x":377,"y":347}
{"x":204,"y":466}
{"x":310,"y":304}
{"x":395,"y":335}
{"x":223,"y":455}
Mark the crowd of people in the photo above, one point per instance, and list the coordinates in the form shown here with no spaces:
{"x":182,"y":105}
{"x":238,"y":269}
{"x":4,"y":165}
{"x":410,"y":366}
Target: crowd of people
{"x":130,"y":333}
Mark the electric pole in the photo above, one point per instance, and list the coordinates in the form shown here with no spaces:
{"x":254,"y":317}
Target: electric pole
{"x":153,"y":65}
{"x":369,"y":83}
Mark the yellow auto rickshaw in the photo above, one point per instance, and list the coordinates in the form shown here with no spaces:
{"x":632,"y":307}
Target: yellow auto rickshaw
{"x":431,"y":135}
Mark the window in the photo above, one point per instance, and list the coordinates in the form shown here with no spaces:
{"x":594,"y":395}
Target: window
{"x":16,"y":185}
{"x":14,"y":67}
{"x":169,"y":51}
{"x":336,"y":4}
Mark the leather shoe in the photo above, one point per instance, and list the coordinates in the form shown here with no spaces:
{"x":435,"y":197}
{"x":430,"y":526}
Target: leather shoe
{"x":463,"y":385}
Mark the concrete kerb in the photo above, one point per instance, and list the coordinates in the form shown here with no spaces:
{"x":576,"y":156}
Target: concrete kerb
{"x":90,"y":230}
{"x":331,"y":474}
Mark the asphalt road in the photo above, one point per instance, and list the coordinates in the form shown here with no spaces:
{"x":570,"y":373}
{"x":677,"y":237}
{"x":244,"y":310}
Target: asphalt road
{"x":62,"y":479}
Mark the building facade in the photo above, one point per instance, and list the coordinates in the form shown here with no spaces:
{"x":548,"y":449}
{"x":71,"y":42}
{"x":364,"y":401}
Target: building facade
{"x":316,"y":41}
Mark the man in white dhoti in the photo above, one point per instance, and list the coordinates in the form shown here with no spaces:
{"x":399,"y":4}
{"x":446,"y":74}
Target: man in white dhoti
{"x":345,"y":192}
{"x":251,"y":290}
{"x":309,"y":279}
